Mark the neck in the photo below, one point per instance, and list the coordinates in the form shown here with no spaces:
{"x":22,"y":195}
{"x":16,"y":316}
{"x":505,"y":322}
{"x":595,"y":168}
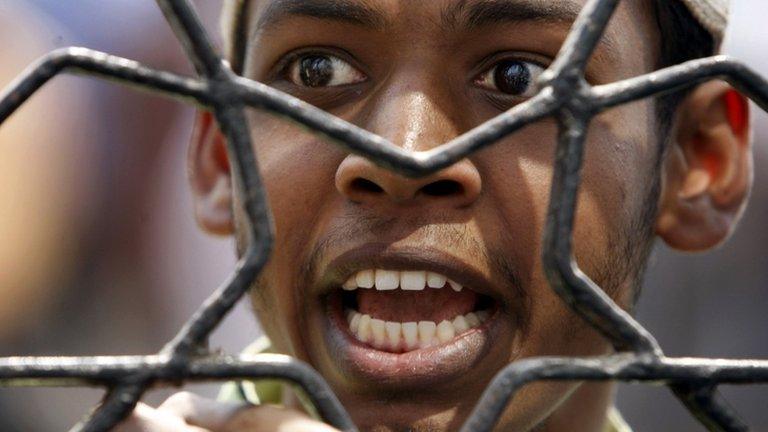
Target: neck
{"x":585,"y":411}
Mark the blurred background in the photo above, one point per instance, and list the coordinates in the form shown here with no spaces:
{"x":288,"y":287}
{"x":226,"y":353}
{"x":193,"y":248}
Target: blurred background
{"x":100,"y":254}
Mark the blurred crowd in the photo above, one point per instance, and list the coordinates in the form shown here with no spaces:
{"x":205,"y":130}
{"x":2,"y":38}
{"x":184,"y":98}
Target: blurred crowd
{"x":100,"y":253}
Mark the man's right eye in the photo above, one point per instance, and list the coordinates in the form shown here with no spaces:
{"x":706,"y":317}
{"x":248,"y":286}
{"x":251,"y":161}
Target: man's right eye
{"x":323,"y":70}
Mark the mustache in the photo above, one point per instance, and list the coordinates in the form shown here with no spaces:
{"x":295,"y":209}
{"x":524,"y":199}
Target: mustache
{"x":421,"y":230}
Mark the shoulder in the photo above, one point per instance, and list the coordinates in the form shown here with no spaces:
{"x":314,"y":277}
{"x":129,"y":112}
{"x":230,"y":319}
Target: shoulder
{"x":255,"y":392}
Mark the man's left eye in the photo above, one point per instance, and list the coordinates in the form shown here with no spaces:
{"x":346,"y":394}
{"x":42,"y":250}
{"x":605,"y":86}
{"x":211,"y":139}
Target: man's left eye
{"x":323,"y":70}
{"x":513,"y":77}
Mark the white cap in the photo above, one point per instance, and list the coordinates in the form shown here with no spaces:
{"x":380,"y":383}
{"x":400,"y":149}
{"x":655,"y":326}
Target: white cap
{"x":712,"y":14}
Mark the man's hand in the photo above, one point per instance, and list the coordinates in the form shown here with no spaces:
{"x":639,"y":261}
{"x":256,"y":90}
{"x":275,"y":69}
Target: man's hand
{"x":187,"y":412}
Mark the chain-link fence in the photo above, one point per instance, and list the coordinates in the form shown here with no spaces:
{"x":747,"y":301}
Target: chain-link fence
{"x":564,"y":95}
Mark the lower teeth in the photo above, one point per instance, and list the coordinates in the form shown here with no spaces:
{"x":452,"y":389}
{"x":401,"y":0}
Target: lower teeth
{"x":409,"y":336}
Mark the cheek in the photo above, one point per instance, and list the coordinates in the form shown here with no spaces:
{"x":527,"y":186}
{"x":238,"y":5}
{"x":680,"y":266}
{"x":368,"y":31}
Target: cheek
{"x":620,"y":148}
{"x":516,"y":203}
{"x":516,"y":192}
{"x":297,"y":170}
{"x":617,"y":172}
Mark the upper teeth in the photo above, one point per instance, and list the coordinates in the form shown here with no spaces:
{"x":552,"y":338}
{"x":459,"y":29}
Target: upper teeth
{"x":410,"y":280}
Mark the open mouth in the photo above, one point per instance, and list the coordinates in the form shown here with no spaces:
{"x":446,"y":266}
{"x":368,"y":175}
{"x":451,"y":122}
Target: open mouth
{"x":406,"y":318}
{"x":403,"y":311}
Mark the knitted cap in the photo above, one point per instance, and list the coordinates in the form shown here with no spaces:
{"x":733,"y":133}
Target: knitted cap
{"x":712,"y":14}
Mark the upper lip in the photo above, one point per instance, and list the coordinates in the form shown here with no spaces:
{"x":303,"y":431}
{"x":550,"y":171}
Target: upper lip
{"x":390,"y":257}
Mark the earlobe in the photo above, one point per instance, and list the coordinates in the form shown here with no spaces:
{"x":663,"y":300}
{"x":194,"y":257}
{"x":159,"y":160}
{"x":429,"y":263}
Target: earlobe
{"x":707,"y":174}
{"x":210,"y":177}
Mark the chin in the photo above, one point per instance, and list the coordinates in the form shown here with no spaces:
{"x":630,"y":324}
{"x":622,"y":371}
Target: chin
{"x":408,"y":340}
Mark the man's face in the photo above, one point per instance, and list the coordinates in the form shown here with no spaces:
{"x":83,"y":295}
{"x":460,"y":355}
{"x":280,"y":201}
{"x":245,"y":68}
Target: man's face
{"x":419,"y":74}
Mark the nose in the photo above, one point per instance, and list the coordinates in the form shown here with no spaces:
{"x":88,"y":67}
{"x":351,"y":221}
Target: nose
{"x":415,"y":121}
{"x":363,"y":182}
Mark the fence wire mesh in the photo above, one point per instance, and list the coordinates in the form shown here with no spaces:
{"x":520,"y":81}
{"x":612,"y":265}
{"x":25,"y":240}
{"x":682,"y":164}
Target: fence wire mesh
{"x":564,"y":95}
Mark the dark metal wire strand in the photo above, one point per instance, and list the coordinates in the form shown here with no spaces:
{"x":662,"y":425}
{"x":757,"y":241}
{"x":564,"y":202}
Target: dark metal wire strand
{"x":564,"y":94}
{"x":98,"y":64}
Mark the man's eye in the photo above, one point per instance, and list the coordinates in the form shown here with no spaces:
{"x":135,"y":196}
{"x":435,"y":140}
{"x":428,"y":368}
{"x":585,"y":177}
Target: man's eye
{"x":514,"y":77}
{"x":323,"y":70}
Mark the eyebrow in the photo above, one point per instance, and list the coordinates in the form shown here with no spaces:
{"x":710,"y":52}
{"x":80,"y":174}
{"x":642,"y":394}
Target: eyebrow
{"x":349,"y":11}
{"x":472,"y":14}
{"x":463,"y":14}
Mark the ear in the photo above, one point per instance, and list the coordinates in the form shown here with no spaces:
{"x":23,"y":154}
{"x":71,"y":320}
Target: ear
{"x":707,"y":173}
{"x":209,"y":177}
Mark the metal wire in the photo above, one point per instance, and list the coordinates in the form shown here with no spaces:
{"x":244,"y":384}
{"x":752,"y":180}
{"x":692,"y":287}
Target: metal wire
{"x":564,"y":94}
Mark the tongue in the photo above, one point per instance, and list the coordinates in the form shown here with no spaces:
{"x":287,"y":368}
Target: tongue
{"x":405,"y":306}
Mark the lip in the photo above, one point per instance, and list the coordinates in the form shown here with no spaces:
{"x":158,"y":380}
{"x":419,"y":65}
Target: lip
{"x":427,"y":366}
{"x":388,"y":257}
{"x":434,"y":366}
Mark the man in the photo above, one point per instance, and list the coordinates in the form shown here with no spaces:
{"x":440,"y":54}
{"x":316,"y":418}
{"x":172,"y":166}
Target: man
{"x":409,"y":295}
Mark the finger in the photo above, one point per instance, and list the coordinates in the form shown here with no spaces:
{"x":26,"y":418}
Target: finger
{"x":197,"y":410}
{"x":266,"y":418}
{"x":231,"y":417}
{"x":147,"y":419}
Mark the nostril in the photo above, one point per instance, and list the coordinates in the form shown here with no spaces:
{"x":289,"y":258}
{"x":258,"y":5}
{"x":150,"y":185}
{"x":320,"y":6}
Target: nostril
{"x":443,"y":188}
{"x":363,"y":185}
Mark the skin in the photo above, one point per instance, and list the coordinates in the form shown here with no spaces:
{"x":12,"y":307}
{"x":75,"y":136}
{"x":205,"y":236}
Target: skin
{"x":420,"y":91}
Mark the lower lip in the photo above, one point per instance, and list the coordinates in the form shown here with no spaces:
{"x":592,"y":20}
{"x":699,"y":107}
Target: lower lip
{"x":427,"y":366}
